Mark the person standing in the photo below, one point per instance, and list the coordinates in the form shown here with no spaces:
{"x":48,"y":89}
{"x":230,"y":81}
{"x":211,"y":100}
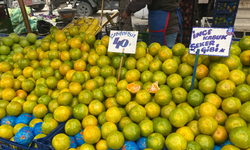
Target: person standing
{"x":124,"y":25}
{"x":49,"y":4}
{"x":205,"y":8}
{"x":164,"y":19}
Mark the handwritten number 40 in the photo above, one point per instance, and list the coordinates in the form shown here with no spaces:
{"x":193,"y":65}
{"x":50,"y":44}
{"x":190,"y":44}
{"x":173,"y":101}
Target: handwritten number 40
{"x":122,"y":43}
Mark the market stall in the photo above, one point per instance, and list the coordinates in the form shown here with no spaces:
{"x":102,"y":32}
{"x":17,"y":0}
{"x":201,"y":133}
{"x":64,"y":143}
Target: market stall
{"x":6,"y":26}
{"x":71,"y":90}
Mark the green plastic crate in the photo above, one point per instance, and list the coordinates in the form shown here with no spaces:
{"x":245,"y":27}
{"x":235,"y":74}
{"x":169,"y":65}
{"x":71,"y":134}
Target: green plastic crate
{"x":6,"y":26}
{"x":143,"y":37}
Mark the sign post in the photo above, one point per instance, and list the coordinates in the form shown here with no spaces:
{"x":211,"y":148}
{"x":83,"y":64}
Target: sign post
{"x":211,"y":42}
{"x":195,"y":67}
{"x":122,"y":42}
{"x":119,"y":74}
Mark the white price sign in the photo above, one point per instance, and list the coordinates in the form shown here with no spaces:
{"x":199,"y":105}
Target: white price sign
{"x":120,"y":40}
{"x":211,"y":41}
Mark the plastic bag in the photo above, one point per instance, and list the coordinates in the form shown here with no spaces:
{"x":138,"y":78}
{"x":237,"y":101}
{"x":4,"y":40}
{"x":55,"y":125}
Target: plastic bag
{"x":43,"y":26}
{"x":20,"y":28}
{"x":33,"y":25}
{"x":9,"y":120}
{"x":142,"y":143}
{"x":129,"y":145}
{"x":18,"y":22}
{"x":10,"y":12}
{"x":32,"y":117}
{"x":38,"y":128}
{"x":28,"y":10}
{"x":17,"y":17}
{"x":228,"y":142}
{"x":117,"y":125}
{"x":216,"y":147}
{"x":79,"y":138}
{"x":73,"y":143}
{"x":24,"y":136}
{"x":24,"y":118}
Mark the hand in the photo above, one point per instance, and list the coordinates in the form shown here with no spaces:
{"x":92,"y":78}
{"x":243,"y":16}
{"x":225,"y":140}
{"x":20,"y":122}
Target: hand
{"x":125,"y":15}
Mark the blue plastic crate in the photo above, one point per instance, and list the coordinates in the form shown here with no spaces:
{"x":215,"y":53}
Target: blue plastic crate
{"x":236,"y":39}
{"x":227,"y":0}
{"x":45,"y":143}
{"x":9,"y":145}
{"x":223,"y":20}
{"x":230,"y":7}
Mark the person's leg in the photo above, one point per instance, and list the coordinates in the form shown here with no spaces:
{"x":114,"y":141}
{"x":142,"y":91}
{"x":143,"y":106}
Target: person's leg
{"x":50,"y":9}
{"x":201,"y":12}
{"x":49,"y":4}
{"x":154,"y":38}
{"x":31,"y":10}
{"x":171,"y":39}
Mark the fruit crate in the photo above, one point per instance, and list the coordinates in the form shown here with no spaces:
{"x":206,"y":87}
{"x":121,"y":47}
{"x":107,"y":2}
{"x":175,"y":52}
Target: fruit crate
{"x":224,"y":6}
{"x":224,"y":20}
{"x":143,"y":37}
{"x":6,"y":26}
{"x":9,"y":145}
{"x":5,"y":22}
{"x":4,"y":13}
{"x":225,"y":13}
{"x":45,"y":143}
{"x":36,"y":144}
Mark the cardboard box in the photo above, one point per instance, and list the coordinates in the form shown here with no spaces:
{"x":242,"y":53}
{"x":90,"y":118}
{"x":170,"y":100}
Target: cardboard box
{"x":28,"y":2}
{"x":203,"y":1}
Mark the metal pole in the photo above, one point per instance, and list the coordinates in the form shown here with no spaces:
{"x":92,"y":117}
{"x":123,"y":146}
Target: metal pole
{"x":100,"y":34}
{"x":25,"y":16}
{"x":102,"y":12}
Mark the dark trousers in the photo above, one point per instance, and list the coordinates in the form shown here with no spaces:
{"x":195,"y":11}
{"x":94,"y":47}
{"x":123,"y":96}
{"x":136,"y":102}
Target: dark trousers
{"x":31,"y":11}
{"x":201,"y":12}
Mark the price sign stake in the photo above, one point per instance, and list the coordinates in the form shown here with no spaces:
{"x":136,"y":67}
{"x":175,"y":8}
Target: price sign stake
{"x":195,"y":67}
{"x":119,"y":74}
